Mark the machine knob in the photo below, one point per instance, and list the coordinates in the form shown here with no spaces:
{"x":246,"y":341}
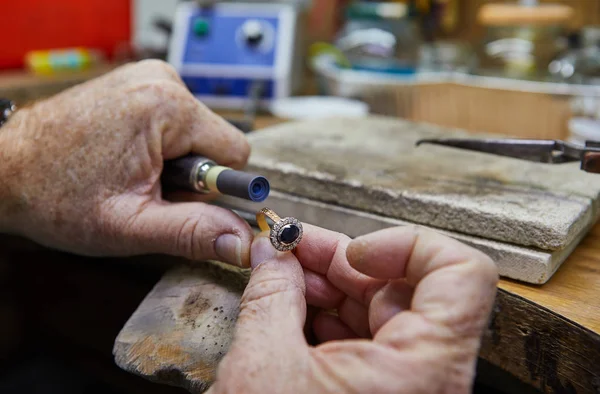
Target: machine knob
{"x":253,"y":32}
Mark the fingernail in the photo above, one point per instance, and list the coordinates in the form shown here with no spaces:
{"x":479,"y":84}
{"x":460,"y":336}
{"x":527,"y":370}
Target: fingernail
{"x":228,"y":248}
{"x":261,"y":251}
{"x":355,"y":252}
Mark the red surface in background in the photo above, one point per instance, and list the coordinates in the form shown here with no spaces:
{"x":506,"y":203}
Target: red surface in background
{"x":53,"y":24}
{"x":325,"y":19}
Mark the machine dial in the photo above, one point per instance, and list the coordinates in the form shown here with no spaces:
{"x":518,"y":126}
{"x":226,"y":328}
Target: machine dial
{"x":253,"y":32}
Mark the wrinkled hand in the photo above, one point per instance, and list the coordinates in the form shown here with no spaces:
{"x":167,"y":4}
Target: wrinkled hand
{"x":411,"y":309}
{"x":80,"y":171}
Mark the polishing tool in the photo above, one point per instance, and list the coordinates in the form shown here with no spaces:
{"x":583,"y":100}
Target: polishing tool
{"x":201,"y":175}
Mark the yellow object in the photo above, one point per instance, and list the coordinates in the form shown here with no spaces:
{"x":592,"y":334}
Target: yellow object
{"x":60,"y":60}
{"x":518,"y":15}
{"x":212,"y":175}
{"x":261,"y":218}
{"x":321,"y":48}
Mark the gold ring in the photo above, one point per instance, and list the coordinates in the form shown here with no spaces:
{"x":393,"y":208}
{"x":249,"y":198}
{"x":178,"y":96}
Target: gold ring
{"x":285,"y":234}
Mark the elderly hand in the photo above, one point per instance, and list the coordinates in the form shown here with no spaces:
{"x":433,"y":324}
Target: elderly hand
{"x":411,"y":309}
{"x":80,"y":171}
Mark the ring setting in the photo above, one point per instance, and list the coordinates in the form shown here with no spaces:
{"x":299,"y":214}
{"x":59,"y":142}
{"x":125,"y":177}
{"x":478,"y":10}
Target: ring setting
{"x":285,"y":234}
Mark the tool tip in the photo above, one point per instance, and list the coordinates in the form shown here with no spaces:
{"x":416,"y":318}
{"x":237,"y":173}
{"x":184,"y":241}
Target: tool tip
{"x":258,"y":189}
{"x":425,"y":141}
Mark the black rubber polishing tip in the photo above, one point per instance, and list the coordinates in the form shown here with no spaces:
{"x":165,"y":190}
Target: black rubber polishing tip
{"x":243,"y":185}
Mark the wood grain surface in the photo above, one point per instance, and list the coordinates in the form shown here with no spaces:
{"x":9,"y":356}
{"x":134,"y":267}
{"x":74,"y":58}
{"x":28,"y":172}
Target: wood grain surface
{"x":542,"y":349}
{"x":574,"y":290}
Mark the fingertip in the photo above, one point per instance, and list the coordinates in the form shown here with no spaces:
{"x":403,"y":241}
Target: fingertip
{"x":495,"y":277}
{"x":486,"y":268}
{"x":242,"y":154}
{"x":382,"y":254}
{"x":355,"y":253}
{"x":238,"y":147}
{"x":261,"y":250}
{"x":195,"y":231}
{"x":233,"y":246}
{"x":321,"y":248}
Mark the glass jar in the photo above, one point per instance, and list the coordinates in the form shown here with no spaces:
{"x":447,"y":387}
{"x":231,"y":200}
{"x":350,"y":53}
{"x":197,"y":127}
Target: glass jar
{"x":521,"y":41}
{"x":580,"y":65}
{"x":379,"y":36}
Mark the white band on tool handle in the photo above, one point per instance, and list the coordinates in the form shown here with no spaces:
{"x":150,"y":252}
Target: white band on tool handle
{"x":201,"y":175}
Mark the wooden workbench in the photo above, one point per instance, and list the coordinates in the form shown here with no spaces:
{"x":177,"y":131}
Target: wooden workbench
{"x":574,"y":291}
{"x":548,"y":336}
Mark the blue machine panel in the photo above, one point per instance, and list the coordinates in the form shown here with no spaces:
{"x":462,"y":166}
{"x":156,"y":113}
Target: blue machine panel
{"x":220,"y":42}
{"x":230,"y":87}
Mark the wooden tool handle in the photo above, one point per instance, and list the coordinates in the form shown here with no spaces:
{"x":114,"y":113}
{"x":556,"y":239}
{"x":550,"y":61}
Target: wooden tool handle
{"x":591,"y":162}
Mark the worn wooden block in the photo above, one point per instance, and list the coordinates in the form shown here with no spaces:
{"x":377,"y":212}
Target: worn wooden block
{"x":184,"y":326}
{"x":372,"y":165}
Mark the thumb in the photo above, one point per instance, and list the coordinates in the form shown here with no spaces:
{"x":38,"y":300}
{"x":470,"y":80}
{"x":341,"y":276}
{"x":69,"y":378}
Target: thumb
{"x":268,"y":352}
{"x":273,"y":306}
{"x":192,"y":230}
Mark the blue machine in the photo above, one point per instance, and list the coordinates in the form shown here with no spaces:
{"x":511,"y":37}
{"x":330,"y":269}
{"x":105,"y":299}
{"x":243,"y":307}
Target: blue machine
{"x":226,"y":51}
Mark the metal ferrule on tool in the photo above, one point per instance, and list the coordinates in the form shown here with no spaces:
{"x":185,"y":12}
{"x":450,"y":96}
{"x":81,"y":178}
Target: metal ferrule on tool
{"x":201,"y":175}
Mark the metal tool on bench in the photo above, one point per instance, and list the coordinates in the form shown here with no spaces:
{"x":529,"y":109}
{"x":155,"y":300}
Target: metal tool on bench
{"x":542,"y":151}
{"x":201,"y":175}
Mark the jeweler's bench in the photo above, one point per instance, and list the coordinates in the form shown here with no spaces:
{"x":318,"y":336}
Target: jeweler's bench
{"x":547,"y":336}
{"x":357,"y":176}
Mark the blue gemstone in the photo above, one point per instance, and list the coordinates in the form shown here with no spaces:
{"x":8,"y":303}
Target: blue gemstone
{"x":289,"y":234}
